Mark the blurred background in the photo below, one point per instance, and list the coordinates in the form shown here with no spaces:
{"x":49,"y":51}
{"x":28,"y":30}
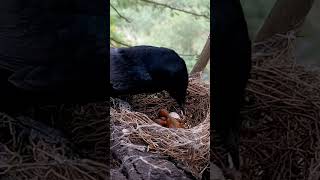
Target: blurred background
{"x":180,"y":25}
{"x":185,"y":25}
{"x":308,"y":41}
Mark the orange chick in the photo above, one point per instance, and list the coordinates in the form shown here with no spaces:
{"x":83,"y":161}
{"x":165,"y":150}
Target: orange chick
{"x":161,"y":122}
{"x":174,"y":123}
{"x":163,"y":113}
{"x":166,"y":120}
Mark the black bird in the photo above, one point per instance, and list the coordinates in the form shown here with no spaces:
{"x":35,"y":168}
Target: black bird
{"x":231,"y":68}
{"x":147,"y":69}
{"x":53,"y":51}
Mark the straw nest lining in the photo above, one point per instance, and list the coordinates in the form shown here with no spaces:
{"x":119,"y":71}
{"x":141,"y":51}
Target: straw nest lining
{"x":280,"y":138}
{"x":281,"y":119}
{"x":31,"y":150}
{"x":189,"y":146}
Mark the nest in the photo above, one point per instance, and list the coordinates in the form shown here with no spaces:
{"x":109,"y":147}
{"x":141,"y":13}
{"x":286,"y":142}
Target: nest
{"x":188,"y":145}
{"x":280,"y":138}
{"x":30,"y":149}
{"x":281,"y":118}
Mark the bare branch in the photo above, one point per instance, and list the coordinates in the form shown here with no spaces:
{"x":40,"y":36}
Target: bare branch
{"x":127,"y":45}
{"x":284,"y":16}
{"x":176,"y":9}
{"x":188,"y":54}
{"x":120,"y":15}
{"x":203,"y":59}
{"x":119,"y":42}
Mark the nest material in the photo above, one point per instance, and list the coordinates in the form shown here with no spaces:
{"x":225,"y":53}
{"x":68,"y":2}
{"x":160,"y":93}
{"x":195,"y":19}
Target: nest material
{"x":30,"y":150}
{"x":189,"y":146}
{"x":281,"y":137}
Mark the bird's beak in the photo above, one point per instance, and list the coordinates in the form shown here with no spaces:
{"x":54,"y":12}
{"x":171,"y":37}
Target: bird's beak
{"x":181,"y":101}
{"x":183,"y":108}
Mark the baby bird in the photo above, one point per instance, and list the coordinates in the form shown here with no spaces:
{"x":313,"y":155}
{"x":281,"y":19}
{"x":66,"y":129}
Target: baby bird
{"x":169,"y":120}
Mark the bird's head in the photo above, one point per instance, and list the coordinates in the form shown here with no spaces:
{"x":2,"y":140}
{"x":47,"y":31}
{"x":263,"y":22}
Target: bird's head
{"x":168,"y":72}
{"x":178,"y":88}
{"x":175,"y":76}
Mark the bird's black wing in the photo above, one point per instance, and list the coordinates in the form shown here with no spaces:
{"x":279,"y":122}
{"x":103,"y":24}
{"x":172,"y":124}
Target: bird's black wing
{"x":44,"y":46}
{"x":128,"y":73}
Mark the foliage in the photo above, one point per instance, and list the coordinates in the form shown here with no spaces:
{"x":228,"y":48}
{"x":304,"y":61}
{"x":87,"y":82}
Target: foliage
{"x":152,"y":24}
{"x":141,"y":22}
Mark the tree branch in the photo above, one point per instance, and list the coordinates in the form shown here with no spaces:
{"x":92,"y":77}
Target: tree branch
{"x":188,"y":54}
{"x":120,"y":15}
{"x":203,"y":59}
{"x":119,"y":42}
{"x":176,"y":9}
{"x":284,"y":16}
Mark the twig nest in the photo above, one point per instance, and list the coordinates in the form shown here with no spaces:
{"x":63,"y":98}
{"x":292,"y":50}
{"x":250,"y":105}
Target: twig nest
{"x":187,"y":143}
{"x":125,"y":131}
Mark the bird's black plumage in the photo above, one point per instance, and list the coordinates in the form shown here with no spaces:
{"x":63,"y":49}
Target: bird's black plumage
{"x":147,"y":69}
{"x":231,"y":58}
{"x":53,"y":50}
